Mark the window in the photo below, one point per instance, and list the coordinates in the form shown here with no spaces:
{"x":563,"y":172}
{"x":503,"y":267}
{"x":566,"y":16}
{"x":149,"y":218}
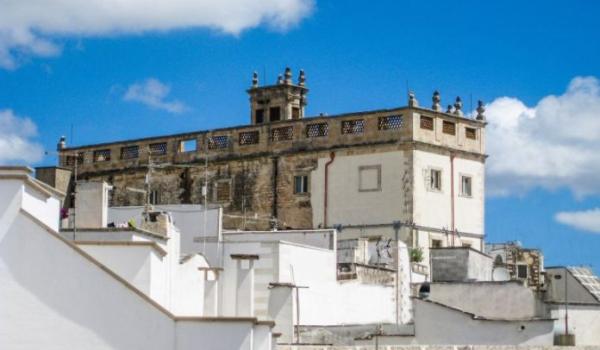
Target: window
{"x":448,"y":128}
{"x":471,"y":133}
{"x":436,"y":243}
{"x":317,"y":130}
{"x":218,"y":142}
{"x":300,"y":184}
{"x":426,"y":123}
{"x":102,"y":155}
{"x":154,"y":197}
{"x":223,"y":191}
{"x":522,"y":271}
{"x":295,"y":113}
{"x":158,"y":149}
{"x":435,"y":180}
{"x":249,"y":138}
{"x":188,"y":145}
{"x":259,"y":116}
{"x":466,"y":185}
{"x":70,"y":159}
{"x":353,"y":126}
{"x":130,"y":152}
{"x":369,"y":178}
{"x":275,"y":114}
{"x":390,"y":123}
{"x":285,"y":133}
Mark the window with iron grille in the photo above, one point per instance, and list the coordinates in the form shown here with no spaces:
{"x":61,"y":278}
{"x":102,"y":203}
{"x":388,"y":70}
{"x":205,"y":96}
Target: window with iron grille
{"x":158,"y":149}
{"x":285,"y":133}
{"x":70,"y":159}
{"x":249,"y":138}
{"x":130,"y":152}
{"x":223,"y":191}
{"x":353,"y":126}
{"x":218,"y":142}
{"x":102,"y":155}
{"x":154,"y":197}
{"x":449,"y":128}
{"x":426,"y":123}
{"x":390,"y":122}
{"x":471,"y":133}
{"x":317,"y":130}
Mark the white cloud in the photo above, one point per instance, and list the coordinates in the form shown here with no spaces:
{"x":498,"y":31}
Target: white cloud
{"x":587,"y":220}
{"x":29,"y":26}
{"x":16,"y":144}
{"x":555,"y":144}
{"x":153,"y":93}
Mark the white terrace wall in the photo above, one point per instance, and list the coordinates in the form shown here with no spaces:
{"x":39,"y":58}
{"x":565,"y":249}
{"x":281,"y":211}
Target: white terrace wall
{"x":584,"y":322}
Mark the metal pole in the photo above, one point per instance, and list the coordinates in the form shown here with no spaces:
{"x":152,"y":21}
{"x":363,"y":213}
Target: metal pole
{"x":566,"y":304}
{"x":74,"y":196}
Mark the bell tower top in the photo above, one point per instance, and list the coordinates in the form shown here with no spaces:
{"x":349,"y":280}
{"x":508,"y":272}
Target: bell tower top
{"x":281,"y":101}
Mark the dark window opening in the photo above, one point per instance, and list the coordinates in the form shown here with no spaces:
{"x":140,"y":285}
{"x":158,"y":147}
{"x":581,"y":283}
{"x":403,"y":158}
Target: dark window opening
{"x":259,"y":116}
{"x":275,"y":114}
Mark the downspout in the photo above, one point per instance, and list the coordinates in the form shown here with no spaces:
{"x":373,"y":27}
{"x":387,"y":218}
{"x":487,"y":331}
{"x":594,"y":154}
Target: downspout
{"x":274,"y":188}
{"x":326,"y":195}
{"x":452,"y":223}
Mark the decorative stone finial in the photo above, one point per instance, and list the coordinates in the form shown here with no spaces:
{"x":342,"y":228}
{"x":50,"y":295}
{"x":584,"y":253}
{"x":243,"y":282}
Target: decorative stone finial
{"x":280,"y":79}
{"x":301,"y":78}
{"x":458,"y":106}
{"x":436,"y":101}
{"x":254,"y":79}
{"x":412,"y":100}
{"x":288,"y":75}
{"x":62,"y":143}
{"x":480,"y":111}
{"x":449,"y":109}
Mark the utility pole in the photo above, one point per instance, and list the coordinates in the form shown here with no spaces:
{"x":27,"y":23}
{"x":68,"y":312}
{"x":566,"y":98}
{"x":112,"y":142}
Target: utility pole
{"x":297,"y":289}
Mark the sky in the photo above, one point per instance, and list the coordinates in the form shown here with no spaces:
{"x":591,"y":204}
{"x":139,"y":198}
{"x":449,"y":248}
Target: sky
{"x":106,"y":70}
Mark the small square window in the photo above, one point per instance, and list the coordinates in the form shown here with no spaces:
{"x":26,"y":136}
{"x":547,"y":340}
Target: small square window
{"x":223,"y":191}
{"x":471,"y":133}
{"x":130,"y":152}
{"x":300,"y":184}
{"x":158,"y":149}
{"x":187,"y":146}
{"x":435,"y":180}
{"x":369,"y":178}
{"x":274,"y":114}
{"x":466,"y":186}
{"x":522,"y":271}
{"x":102,"y":155}
{"x":426,"y":123}
{"x":449,"y":128}
{"x":436,"y":243}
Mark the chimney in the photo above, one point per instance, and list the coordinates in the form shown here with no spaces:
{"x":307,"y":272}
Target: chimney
{"x":91,"y":204}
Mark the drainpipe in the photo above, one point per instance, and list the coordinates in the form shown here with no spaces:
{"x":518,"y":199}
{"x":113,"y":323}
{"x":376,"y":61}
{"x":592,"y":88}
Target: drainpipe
{"x":452,"y":224}
{"x":326,"y":195}
{"x":274,"y":212}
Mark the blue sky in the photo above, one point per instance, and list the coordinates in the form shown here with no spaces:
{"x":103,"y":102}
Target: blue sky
{"x":535,"y":63}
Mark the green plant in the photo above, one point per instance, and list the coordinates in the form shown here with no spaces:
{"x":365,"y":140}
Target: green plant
{"x":416,"y":255}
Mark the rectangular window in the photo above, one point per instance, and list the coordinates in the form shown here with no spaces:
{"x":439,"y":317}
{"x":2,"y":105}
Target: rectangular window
{"x":158,"y":149}
{"x":295,"y":113}
{"x":466,"y":186}
{"x":274,"y":114}
{"x":522,"y":271}
{"x":353,"y":126}
{"x":223,"y":191}
{"x":248,"y":138}
{"x":426,"y":123}
{"x":154,"y":197}
{"x":471,"y":133}
{"x":435,"y":180}
{"x":259,"y":116}
{"x":436,"y":243}
{"x":70,"y":159}
{"x":130,"y":152}
{"x":369,"y":178}
{"x":102,"y":155}
{"x":391,"y":122}
{"x":317,"y":130}
{"x":285,"y":133}
{"x":218,"y":142}
{"x":449,"y":128}
{"x":188,"y":146}
{"x":300,"y":184}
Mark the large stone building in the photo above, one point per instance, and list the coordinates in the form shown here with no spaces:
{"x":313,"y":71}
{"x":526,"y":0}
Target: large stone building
{"x":410,"y":171}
